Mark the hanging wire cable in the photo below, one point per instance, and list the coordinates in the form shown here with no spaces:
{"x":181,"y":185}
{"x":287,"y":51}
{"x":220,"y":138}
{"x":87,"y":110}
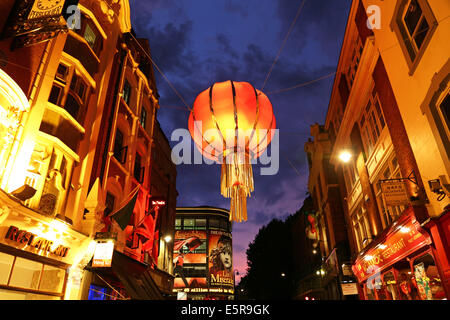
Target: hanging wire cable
{"x":302,"y":84}
{"x":283,"y":44}
{"x":290,"y":163}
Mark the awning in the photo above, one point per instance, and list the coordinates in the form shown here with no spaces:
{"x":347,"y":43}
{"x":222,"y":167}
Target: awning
{"x":134,"y":275}
{"x":398,"y":241}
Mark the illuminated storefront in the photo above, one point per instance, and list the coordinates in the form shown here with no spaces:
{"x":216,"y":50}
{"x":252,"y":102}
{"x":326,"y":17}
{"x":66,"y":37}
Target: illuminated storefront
{"x":202,"y":256}
{"x":37,"y":254}
{"x":400,"y":265}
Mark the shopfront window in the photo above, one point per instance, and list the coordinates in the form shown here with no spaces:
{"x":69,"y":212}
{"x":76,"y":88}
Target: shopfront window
{"x":26,"y":274}
{"x":427,"y":278}
{"x":370,"y":294}
{"x":37,"y":281}
{"x":390,"y":285}
{"x":6,"y":261}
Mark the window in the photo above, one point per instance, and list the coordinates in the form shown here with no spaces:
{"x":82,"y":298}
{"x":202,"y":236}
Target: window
{"x":109,"y":203}
{"x":91,"y":34}
{"x":74,"y":99}
{"x":189,"y":224}
{"x":391,"y":286}
{"x":371,"y":123}
{"x":194,"y":270}
{"x":138,"y":168}
{"x":143,"y":117}
{"x":177,"y":224}
{"x":350,"y":175}
{"x":35,"y":279}
{"x":414,"y":24}
{"x":62,"y":73}
{"x":391,"y":170}
{"x":126,"y":93}
{"x":427,"y":280}
{"x":444,"y":110}
{"x":354,"y":62}
{"x":120,"y":151}
{"x":200,"y":224}
{"x":370,"y":294}
{"x":361,"y":227}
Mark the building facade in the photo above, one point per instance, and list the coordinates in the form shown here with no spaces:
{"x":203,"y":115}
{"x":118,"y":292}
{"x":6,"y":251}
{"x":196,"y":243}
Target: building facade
{"x":327,"y":227}
{"x":389,"y":128}
{"x":64,"y":69}
{"x":203,"y":260}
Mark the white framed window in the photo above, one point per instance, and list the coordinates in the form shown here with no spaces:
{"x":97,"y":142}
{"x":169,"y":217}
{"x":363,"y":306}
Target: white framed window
{"x":70,"y":91}
{"x":354,"y":61}
{"x":372,"y":122}
{"x":361,"y":227}
{"x":414,"y":24}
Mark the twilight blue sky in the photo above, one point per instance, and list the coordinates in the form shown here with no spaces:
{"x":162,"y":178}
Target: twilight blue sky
{"x":196,"y":43}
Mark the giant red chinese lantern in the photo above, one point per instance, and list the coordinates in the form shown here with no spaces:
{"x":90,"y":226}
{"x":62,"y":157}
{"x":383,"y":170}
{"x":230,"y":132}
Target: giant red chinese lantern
{"x":232,"y":123}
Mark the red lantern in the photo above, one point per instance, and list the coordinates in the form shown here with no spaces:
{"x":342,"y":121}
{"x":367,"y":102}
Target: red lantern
{"x":232,"y":123}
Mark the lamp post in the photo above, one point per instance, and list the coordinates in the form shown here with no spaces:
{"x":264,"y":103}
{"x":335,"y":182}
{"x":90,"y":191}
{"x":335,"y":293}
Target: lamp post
{"x":167,"y":239}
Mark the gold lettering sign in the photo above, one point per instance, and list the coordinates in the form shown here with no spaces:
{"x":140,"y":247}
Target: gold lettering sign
{"x":46,"y":8}
{"x":33,"y":241}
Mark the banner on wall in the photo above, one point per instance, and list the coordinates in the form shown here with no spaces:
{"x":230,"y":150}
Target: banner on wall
{"x":220,"y":262}
{"x":189,"y":247}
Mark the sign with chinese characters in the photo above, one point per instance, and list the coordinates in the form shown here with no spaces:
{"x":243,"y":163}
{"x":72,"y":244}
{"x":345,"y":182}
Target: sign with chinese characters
{"x":103,"y":254}
{"x":394,"y":193}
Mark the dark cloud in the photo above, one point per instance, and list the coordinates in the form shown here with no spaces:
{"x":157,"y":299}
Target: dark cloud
{"x":237,"y":8}
{"x":225,"y":45}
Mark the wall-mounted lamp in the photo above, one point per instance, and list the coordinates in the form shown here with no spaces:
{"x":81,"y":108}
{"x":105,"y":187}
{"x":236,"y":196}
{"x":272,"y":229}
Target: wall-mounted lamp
{"x":345,"y":156}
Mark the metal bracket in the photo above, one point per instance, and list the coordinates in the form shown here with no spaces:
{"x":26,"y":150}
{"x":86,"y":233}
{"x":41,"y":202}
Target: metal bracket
{"x":411,"y":177}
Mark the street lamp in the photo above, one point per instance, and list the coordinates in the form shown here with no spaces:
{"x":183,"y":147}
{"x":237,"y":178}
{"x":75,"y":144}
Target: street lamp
{"x":345,"y":156}
{"x":167,"y":239}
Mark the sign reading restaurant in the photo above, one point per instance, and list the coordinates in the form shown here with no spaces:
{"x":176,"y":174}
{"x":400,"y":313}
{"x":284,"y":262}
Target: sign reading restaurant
{"x":32,"y":241}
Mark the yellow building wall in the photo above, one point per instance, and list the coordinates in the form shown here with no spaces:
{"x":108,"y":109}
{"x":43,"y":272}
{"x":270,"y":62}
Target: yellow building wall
{"x":410,"y":90}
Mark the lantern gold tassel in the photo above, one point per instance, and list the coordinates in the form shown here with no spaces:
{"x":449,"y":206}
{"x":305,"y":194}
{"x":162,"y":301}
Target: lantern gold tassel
{"x":237,"y":184}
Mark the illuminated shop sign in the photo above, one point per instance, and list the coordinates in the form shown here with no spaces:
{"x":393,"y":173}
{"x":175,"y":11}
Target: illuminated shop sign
{"x":31,"y":240}
{"x":404,"y":238}
{"x":204,"y":290}
{"x":103,"y":254}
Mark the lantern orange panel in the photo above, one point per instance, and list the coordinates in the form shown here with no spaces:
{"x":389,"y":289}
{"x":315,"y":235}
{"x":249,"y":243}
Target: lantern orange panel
{"x":226,"y":106}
